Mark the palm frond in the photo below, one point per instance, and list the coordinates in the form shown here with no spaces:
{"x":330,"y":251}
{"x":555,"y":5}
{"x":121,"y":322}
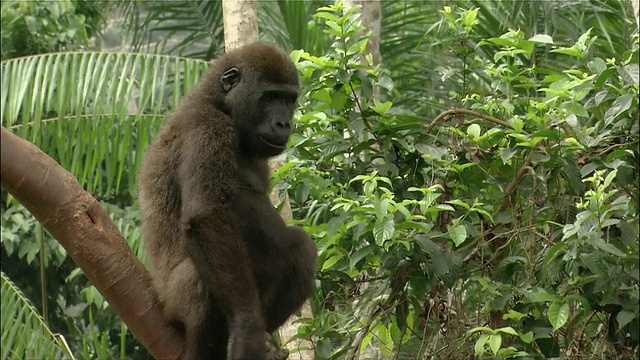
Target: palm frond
{"x":94,"y":112}
{"x":411,"y":50}
{"x":183,"y":28}
{"x":287,"y":23}
{"x":24,"y":333}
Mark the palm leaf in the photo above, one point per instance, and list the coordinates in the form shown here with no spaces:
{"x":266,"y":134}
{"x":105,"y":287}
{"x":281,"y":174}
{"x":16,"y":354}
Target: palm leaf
{"x":287,"y":23}
{"x":24,"y":333}
{"x":184,"y":28}
{"x":94,"y":112}
{"x":411,"y":50}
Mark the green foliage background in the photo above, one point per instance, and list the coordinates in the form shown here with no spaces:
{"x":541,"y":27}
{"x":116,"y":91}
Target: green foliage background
{"x":509,"y":232}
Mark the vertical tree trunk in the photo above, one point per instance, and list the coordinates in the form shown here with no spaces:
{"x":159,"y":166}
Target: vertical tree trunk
{"x":371,"y":13}
{"x":240,"y":19}
{"x":636,"y":9}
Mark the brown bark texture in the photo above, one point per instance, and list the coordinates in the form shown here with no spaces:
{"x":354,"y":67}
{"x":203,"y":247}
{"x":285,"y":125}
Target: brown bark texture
{"x":80,"y":224}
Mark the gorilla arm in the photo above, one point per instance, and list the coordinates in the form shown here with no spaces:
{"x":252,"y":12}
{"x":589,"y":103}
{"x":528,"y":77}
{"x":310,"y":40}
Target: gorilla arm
{"x":211,"y":236}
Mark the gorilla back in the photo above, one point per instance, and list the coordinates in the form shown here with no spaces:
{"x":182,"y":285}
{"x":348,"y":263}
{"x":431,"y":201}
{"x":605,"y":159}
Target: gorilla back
{"x":226,"y":267}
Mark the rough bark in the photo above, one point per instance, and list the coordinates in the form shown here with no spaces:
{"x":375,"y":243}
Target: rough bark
{"x":240,"y":20}
{"x":84,"y":229}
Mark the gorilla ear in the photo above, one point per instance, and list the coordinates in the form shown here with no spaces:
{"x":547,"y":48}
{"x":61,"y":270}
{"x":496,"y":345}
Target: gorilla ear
{"x":229,"y":79}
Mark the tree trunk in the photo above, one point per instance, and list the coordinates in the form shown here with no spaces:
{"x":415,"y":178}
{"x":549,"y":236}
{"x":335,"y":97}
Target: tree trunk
{"x":84,"y":229}
{"x":240,"y":19}
{"x":371,"y":14}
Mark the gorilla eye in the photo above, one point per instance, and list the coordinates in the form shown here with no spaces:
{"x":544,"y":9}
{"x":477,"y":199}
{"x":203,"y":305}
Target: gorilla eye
{"x":229,"y":79}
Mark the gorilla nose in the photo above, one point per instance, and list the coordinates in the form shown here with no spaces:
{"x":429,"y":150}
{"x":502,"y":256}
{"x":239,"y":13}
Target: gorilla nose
{"x":283,"y":124}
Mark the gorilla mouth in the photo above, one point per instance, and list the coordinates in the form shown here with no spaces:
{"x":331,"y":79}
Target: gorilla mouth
{"x":275,"y":146}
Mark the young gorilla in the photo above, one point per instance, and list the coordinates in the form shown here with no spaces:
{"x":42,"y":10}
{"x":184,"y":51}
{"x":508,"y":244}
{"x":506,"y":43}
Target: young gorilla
{"x":226,"y":267}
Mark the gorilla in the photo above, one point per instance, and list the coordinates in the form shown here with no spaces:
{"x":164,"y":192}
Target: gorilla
{"x":226,"y":267}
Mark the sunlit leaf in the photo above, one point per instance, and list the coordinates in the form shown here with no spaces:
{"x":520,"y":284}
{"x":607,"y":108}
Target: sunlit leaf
{"x":558,"y":314}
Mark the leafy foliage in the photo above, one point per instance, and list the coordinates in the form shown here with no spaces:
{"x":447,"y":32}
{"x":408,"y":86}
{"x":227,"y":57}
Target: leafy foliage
{"x":47,"y":97}
{"x":479,"y":224}
{"x":505,"y":229}
{"x":25,"y":335}
{"x":34,"y":27}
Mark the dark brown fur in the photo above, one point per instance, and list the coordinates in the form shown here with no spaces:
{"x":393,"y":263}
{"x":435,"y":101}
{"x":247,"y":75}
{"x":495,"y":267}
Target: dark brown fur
{"x":226,"y":267}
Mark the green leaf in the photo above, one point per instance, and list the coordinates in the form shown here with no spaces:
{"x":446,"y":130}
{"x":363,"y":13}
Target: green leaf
{"x":625,"y":317}
{"x":474,"y":130}
{"x":541,"y":295}
{"x":360,"y":254}
{"x":383,"y":230}
{"x":331,"y":261}
{"x":478,"y":348}
{"x":495,"y":341}
{"x":527,"y":337}
{"x":630,"y":74}
{"x":609,"y":179}
{"x":568,"y":51}
{"x":381,"y":109}
{"x":599,"y":243}
{"x":542,"y":39}
{"x":558,"y":314}
{"x":458,"y":234}
{"x":508,"y":330}
{"x":597,"y":66}
{"x":506,"y":154}
{"x":459,"y":203}
{"x":513,"y":315}
{"x":24,"y":333}
{"x":620,"y":105}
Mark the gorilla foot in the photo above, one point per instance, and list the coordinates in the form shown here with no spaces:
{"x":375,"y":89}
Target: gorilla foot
{"x":274,"y":352}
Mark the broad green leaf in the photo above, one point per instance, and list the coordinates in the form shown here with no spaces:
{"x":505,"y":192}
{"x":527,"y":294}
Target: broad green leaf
{"x":597,"y":66}
{"x":458,"y":234}
{"x":360,"y":254}
{"x":620,"y":105}
{"x":598,"y":242}
{"x":527,"y":337}
{"x":625,"y":317}
{"x":383,"y":229}
{"x":474,"y":130}
{"x":495,"y":342}
{"x":568,"y":51}
{"x":506,"y":154}
{"x":558,"y":314}
{"x":381,"y":109}
{"x":507,"y":330}
{"x":478,"y":348}
{"x":609,"y":178}
{"x":542,"y":39}
{"x":630,"y":73}
{"x":541,"y":295}
{"x":331,"y":261}
{"x":513,"y":315}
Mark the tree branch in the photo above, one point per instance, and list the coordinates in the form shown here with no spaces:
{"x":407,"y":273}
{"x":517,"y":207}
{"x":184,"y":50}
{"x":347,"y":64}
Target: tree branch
{"x":85,"y":230}
{"x":452,"y":112}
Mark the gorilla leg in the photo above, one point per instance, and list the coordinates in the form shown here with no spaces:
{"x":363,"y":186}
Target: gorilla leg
{"x":298,"y":261}
{"x":186,"y":304}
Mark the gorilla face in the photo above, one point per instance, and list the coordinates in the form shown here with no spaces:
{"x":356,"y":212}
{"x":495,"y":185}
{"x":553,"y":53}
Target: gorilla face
{"x":263,"y":116}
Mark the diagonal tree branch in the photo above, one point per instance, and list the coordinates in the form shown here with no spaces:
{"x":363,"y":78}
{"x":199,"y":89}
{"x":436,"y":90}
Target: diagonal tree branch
{"x":85,"y":230}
